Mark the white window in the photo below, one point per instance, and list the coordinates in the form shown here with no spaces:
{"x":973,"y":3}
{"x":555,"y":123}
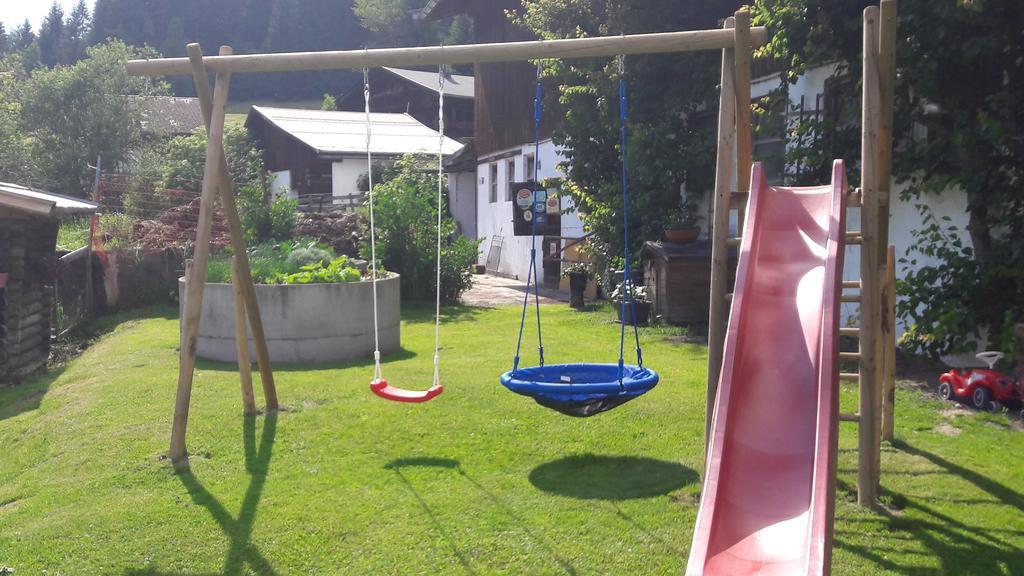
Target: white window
{"x":494,"y":182}
{"x":530,"y":167}
{"x":510,"y":175}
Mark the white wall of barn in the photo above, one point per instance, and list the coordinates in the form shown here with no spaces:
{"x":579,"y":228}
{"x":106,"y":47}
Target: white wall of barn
{"x":495,"y":218}
{"x":345,"y":176}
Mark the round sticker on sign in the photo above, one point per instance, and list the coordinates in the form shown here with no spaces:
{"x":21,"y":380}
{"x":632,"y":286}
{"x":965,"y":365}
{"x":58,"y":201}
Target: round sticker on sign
{"x":553,"y":205}
{"x":528,"y":216}
{"x":524,"y":198}
{"x":540,"y":196}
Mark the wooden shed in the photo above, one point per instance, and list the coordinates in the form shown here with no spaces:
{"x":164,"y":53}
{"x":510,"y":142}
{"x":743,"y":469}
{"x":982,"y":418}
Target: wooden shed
{"x":678,"y":279}
{"x":29,"y":220}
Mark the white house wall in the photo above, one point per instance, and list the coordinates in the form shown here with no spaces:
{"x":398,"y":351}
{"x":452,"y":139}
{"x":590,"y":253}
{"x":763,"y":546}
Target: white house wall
{"x":345,"y":176}
{"x":495,"y":218}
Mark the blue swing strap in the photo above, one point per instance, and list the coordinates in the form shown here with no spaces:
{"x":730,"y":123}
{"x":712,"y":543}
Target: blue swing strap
{"x":627,"y":277}
{"x":538,"y":109}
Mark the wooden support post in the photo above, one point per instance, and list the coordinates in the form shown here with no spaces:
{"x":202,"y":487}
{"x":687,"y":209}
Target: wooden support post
{"x":889,"y":347}
{"x":718,"y":316}
{"x":744,"y":53}
{"x":194,"y":288}
{"x":868,"y":442}
{"x":242,"y":343}
{"x":227,"y":198}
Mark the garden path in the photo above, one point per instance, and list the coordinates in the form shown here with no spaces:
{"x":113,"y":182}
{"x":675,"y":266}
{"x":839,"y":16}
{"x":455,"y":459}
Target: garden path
{"x":491,"y":290}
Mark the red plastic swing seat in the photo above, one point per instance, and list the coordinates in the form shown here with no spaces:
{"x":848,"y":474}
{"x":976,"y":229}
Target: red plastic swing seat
{"x":388,"y":392}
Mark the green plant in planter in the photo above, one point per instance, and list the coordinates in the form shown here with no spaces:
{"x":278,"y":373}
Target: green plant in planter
{"x":683,"y":217}
{"x":338,"y":270}
{"x":638,"y":294}
{"x":578,"y":269}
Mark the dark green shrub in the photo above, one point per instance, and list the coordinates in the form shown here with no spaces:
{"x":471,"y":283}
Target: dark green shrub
{"x":309,"y":255}
{"x":406,"y":219}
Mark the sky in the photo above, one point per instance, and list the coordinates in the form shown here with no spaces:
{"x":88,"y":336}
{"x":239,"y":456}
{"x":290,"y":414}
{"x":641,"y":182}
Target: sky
{"x":14,"y":12}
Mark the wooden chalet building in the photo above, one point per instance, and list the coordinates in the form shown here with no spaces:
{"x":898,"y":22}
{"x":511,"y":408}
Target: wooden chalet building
{"x":415,"y":92}
{"x":319,"y":156}
{"x":502,"y":151}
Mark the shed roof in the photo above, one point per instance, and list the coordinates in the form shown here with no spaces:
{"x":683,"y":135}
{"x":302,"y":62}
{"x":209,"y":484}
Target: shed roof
{"x":455,"y":85}
{"x":330,"y":132}
{"x":37,"y":202}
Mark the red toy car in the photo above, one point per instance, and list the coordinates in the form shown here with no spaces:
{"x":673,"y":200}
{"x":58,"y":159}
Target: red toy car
{"x":986,"y":389}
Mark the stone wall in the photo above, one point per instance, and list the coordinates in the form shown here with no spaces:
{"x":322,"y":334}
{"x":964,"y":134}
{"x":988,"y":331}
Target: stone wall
{"x":27,"y":249}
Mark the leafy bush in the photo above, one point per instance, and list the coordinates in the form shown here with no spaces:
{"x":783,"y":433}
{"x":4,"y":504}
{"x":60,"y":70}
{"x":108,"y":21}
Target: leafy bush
{"x":265,"y":218}
{"x":950,"y":306}
{"x":406,"y":219}
{"x":308,"y":256}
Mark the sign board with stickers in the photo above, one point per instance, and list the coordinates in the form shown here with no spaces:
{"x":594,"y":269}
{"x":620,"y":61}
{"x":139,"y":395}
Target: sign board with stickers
{"x":534,"y":203}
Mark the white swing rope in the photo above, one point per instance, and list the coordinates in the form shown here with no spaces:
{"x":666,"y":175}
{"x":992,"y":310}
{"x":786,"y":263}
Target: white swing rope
{"x":440,"y":207}
{"x":377,"y":376}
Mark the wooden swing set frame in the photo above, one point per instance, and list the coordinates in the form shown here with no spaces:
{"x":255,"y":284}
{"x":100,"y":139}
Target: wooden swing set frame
{"x":737,"y":40}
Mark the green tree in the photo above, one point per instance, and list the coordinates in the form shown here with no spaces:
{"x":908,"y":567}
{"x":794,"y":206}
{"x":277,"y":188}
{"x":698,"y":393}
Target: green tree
{"x":23,"y":36}
{"x":959,"y":81}
{"x":51,"y":35}
{"x":184,"y":159}
{"x":405,"y":211}
{"x":329,"y":103}
{"x":76,"y":34}
{"x":74,"y":113}
{"x":5,"y":40}
{"x":672,"y":103}
{"x":15,"y":160}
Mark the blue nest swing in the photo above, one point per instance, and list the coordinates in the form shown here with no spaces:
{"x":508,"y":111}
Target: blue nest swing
{"x":581,"y":389}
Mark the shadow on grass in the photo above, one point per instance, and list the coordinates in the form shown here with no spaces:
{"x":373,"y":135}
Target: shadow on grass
{"x":448,"y":463}
{"x":214,"y":366}
{"x":27,"y":396}
{"x":961,"y":546}
{"x":241,"y":551}
{"x":423,"y":312}
{"x":592,"y":477}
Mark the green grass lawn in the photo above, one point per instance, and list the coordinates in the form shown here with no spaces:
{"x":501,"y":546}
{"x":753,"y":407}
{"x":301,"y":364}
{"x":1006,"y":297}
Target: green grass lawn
{"x":478,"y":481}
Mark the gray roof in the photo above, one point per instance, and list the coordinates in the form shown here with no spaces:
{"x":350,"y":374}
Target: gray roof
{"x":22,"y":199}
{"x":455,"y":85}
{"x":333,"y":132}
{"x":169,"y":115}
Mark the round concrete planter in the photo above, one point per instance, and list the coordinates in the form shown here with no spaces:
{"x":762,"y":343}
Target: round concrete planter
{"x":306,"y":323}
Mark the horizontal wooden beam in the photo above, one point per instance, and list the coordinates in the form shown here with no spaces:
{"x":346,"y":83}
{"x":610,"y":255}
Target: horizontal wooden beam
{"x":849,"y":356}
{"x":849,"y":331}
{"x":850,"y":298}
{"x":854,"y":238}
{"x":852,"y":284}
{"x":849,"y":376}
{"x":660,"y":43}
{"x":733,"y":242}
{"x":847,"y":417}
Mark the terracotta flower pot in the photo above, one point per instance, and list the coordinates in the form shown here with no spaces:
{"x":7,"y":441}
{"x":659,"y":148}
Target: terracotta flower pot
{"x":682,"y":236}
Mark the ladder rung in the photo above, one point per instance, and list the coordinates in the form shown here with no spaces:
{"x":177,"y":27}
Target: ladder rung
{"x":849,"y":331}
{"x":733,"y":241}
{"x":850,"y":298}
{"x":849,"y":356}
{"x":849,"y":376}
{"x":847,"y":417}
{"x":851,"y":284}
{"x":854,"y":238}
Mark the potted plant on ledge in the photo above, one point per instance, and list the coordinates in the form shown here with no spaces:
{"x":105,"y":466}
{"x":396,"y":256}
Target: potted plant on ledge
{"x":579,"y":274}
{"x":681,"y":224}
{"x":637,"y":295}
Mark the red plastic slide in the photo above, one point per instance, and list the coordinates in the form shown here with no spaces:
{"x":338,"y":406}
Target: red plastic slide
{"x":767,"y":504}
